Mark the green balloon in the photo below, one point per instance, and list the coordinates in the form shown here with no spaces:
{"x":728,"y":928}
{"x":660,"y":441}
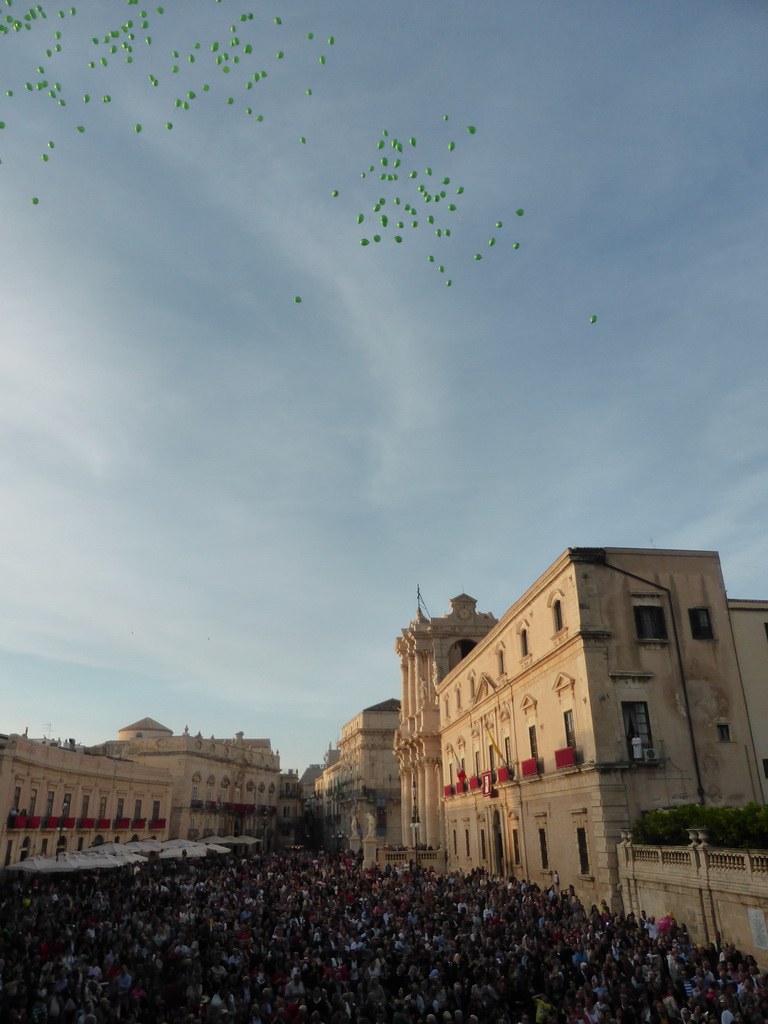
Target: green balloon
{"x":460,"y":190}
{"x":441,"y":269}
{"x":331,"y":40}
{"x":321,"y":59}
{"x":35,"y":200}
{"x":516,"y":245}
{"x":80,"y":128}
{"x":377,"y":238}
{"x":302,"y":139}
{"x":447,"y":232}
{"x":413,"y":141}
{"x":431,"y":259}
{"x":168,"y":125}
{"x":471,"y":129}
{"x":448,"y":284}
{"x":451,"y":206}
{"x":478,"y":256}
{"x":297,"y":298}
{"x":491,"y":241}
{"x":278,"y":21}
{"x":451,"y":146}
{"x":499,"y":224}
{"x":413,"y":174}
{"x":364,"y":241}
{"x":309,"y":92}
{"x":334,"y":193}
{"x":51,"y":145}
{"x":310,"y":35}
{"x":45,"y":157}
{"x":279,"y":54}
{"x":519,"y":212}
{"x":398,"y":238}
{"x":593,"y":319}
{"x":360,"y":218}
{"x":2,"y":124}
{"x":137,"y":128}
{"x":428,"y":170}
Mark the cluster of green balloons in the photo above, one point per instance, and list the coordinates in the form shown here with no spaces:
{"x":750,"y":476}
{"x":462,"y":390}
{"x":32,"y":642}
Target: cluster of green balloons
{"x":419,"y":193}
{"x":131,"y":41}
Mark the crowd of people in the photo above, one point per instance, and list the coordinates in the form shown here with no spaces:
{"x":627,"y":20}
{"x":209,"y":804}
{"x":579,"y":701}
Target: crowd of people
{"x":305,"y":938}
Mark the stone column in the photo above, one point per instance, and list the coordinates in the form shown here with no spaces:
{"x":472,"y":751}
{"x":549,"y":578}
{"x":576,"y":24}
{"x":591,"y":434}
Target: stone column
{"x":431,"y":837}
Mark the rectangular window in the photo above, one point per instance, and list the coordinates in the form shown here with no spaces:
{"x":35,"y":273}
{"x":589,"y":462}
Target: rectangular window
{"x":155,"y":810}
{"x":16,"y":798}
{"x":44,"y":847}
{"x":120,"y":806}
{"x":532,"y":741}
{"x":464,"y":784}
{"x":477,"y":763}
{"x":195,"y":793}
{"x":209,"y":794}
{"x":136,"y":810}
{"x":543,"y":848}
{"x":650,"y":622}
{"x":32,"y":802}
{"x":637,"y":728}
{"x":84,"y":807}
{"x":455,"y":844}
{"x":491,"y":757}
{"x":102,"y":807}
{"x":515,"y":846}
{"x":65,"y":804}
{"x":723,"y":732}
{"x":81,"y":842}
{"x":482,"y":843}
{"x":192,"y":821}
{"x":507,"y":750}
{"x":501,"y":662}
{"x":581,"y":841}
{"x":570,"y":732}
{"x":701,"y":624}
{"x":765,"y":767}
{"x":49,"y":805}
{"x":466,"y":840}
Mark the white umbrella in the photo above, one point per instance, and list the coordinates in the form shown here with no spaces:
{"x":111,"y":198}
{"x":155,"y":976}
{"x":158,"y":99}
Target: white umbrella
{"x":177,"y":852}
{"x":215,"y":848}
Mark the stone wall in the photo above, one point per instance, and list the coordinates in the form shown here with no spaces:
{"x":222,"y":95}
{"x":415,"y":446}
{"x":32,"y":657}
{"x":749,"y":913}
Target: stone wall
{"x":717,"y":894}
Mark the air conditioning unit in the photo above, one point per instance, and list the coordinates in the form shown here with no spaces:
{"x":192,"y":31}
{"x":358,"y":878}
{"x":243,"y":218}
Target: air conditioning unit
{"x":651,"y":754}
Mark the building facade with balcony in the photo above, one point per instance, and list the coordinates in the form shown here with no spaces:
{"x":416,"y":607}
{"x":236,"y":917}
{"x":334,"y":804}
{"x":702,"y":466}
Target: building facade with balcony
{"x":218,"y":786}
{"x":429,"y":648}
{"x":58,"y":798}
{"x":359,"y":787}
{"x":750,"y":631}
{"x":611,"y":687}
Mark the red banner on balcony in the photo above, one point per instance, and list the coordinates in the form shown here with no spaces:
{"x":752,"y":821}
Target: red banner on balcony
{"x":139,"y":822}
{"x":103,"y":823}
{"x":565,"y":758}
{"x":448,"y":790}
{"x":20,"y":821}
{"x":502,"y":774}
{"x":157,"y":823}
{"x":529,"y":767}
{"x":69,"y":822}
{"x":87,"y":822}
{"x":51,"y":822}
{"x":122,"y":822}
{"x":34,"y":822}
{"x":487,"y":784}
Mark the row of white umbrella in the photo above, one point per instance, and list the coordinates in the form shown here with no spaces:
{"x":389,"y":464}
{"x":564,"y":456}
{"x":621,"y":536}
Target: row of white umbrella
{"x":116,"y":855}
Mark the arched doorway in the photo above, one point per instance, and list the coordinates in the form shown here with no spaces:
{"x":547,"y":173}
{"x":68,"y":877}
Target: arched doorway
{"x":497,"y":845}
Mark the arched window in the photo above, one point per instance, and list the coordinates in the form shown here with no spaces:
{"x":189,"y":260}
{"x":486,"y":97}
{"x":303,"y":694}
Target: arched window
{"x":458,"y":698}
{"x":557,"y":616}
{"x":500,"y":658}
{"x":524,"y":643}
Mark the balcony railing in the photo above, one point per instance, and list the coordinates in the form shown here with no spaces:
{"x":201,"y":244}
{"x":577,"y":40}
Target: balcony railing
{"x":565,"y":757}
{"x":448,"y":790}
{"x":474,"y":782}
{"x":505,"y":773}
{"x":86,"y":822}
{"x":139,"y":823}
{"x":157,"y":823}
{"x":122,"y":823}
{"x":531,"y":766}
{"x":103,"y":823}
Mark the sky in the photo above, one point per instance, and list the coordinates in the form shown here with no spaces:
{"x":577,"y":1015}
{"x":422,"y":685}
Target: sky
{"x":217,"y":503}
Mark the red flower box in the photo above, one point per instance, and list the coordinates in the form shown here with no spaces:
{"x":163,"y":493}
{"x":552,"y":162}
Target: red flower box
{"x":529,"y":767}
{"x":474,"y":782}
{"x":502,"y":775}
{"x":565,"y":758}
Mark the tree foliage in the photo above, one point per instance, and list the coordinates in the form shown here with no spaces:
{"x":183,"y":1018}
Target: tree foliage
{"x":732,"y":827}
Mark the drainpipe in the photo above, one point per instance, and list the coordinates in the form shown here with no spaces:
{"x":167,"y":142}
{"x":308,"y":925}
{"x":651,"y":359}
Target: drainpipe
{"x":668,"y":592}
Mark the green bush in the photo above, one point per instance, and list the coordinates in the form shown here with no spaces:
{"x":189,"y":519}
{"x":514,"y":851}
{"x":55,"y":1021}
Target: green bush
{"x":734,"y":827}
